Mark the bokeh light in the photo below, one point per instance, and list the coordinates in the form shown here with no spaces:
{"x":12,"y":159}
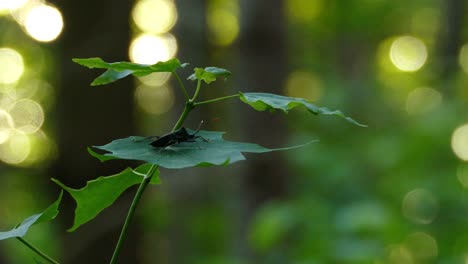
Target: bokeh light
{"x":462,"y":174}
{"x":463,"y":58}
{"x":223,"y":22}
{"x":10,"y":5}
{"x":16,"y":149}
{"x":154,"y":100}
{"x":42,"y":148}
{"x":399,"y":254}
{"x":11,"y":65}
{"x":420,"y":206}
{"x":6,"y":126}
{"x":27,"y":115}
{"x":155,"y":16}
{"x":44,"y":23}
{"x":304,"y":85}
{"x":460,"y":142}
{"x":422,"y":246}
{"x":408,"y":53}
{"x":422,"y":100}
{"x":303,"y":11}
{"x":155,"y":79}
{"x":149,"y":49}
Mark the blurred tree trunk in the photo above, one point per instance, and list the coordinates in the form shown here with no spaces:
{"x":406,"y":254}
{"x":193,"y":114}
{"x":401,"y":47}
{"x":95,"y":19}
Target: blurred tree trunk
{"x":184,"y":187}
{"x":262,"y":68}
{"x":450,"y":39}
{"x":89,"y":116}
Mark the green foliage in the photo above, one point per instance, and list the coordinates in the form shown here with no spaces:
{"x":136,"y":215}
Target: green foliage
{"x":181,"y":148}
{"x":214,"y":151}
{"x":119,"y":70}
{"x":209,"y":74}
{"x":271,"y":102}
{"x":102,"y":192}
{"x":47,"y":215}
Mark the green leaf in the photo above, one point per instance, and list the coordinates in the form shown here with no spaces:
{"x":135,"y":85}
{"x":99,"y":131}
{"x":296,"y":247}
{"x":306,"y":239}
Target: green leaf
{"x":47,"y":215}
{"x":119,"y":70}
{"x":214,"y":151}
{"x":110,"y":76}
{"x":272,"y":102}
{"x":102,"y":192}
{"x":209,"y":74}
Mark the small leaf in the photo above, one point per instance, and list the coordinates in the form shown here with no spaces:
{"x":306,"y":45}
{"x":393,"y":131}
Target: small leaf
{"x":209,"y":74}
{"x":271,"y":102}
{"x":215,"y":151}
{"x":47,"y":215}
{"x":119,"y":70}
{"x":102,"y":192}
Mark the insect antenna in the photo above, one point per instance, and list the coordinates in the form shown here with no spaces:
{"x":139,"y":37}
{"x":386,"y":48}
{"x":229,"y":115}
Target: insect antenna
{"x":198,"y":129}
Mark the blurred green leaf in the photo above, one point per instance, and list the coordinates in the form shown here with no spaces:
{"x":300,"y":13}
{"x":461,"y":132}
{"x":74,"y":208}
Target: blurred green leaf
{"x":119,"y":70}
{"x":214,"y":151}
{"x":271,"y":224}
{"x":47,"y":215}
{"x":102,"y":192}
{"x":209,"y":74}
{"x":272,"y":102}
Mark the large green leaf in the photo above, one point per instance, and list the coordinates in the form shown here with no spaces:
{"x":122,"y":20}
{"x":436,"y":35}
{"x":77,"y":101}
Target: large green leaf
{"x":119,"y":70}
{"x":271,"y":102}
{"x":100,"y":193}
{"x":214,"y":151}
{"x":47,"y":215}
{"x":209,"y":74}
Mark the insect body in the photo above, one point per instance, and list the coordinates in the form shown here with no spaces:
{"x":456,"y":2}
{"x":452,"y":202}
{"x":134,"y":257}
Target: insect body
{"x":176,"y":137}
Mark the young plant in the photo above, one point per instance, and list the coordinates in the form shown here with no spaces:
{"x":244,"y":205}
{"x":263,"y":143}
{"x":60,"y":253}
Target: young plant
{"x":180,"y":148}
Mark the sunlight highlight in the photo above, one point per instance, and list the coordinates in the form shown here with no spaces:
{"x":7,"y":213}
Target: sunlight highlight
{"x":44,"y":23}
{"x":149,"y":49}
{"x":422,"y":100}
{"x":408,"y":53}
{"x":420,"y":206}
{"x":154,"y":100}
{"x":11,"y":66}
{"x":460,"y":142}
{"x":155,"y":16}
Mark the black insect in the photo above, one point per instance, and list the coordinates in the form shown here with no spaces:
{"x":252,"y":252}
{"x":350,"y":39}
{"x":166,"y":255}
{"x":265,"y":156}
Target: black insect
{"x":176,"y":137}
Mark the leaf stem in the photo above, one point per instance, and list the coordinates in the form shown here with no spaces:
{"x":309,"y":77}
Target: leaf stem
{"x":131,"y":212}
{"x":216,"y":99}
{"x":37,"y":251}
{"x":187,"y":97}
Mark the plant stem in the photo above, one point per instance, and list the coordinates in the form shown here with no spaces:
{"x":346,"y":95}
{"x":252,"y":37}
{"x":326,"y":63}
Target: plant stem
{"x":187,"y":97}
{"x":189,"y":106}
{"x":131,"y":212}
{"x":216,"y":99}
{"x":35,"y":249}
{"x":196,"y":91}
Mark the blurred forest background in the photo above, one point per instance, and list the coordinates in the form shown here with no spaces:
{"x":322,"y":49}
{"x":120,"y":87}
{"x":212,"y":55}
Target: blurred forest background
{"x":394,"y":192}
